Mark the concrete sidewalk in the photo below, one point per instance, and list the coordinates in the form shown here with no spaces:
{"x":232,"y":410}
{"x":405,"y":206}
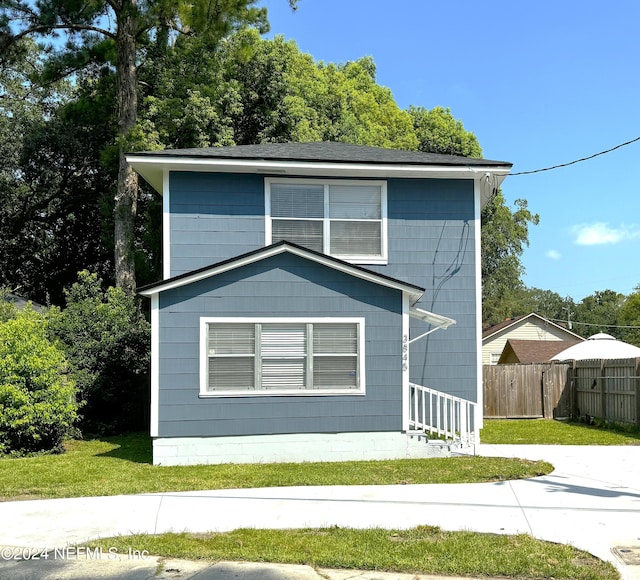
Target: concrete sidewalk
{"x":591,"y":500}
{"x":168,"y":569}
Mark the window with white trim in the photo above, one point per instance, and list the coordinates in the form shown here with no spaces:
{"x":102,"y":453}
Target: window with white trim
{"x":282,"y":356}
{"x":345,"y":219}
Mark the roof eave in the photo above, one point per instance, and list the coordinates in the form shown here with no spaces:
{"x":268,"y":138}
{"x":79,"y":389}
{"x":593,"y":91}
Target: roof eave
{"x":414,"y":292}
{"x":152,"y":169}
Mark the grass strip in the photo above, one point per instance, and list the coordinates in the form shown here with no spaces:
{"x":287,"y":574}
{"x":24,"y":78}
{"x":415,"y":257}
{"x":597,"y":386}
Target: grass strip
{"x":551,"y":432}
{"x":122,"y":465}
{"x":421,"y":550}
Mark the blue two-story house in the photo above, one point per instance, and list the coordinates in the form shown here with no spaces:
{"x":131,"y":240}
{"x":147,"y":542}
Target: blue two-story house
{"x":319,"y":301}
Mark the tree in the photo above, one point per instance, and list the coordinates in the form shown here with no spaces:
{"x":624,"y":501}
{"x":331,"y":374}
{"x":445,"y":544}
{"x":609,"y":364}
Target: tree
{"x":114,"y":31}
{"x":250,"y":90}
{"x":51,"y":222}
{"x":599,"y":313}
{"x":629,"y":318}
{"x":545,"y":303}
{"x":522,"y":301}
{"x":439,"y":132}
{"x":37,"y":396}
{"x":504,"y":236}
{"x":106,"y":340}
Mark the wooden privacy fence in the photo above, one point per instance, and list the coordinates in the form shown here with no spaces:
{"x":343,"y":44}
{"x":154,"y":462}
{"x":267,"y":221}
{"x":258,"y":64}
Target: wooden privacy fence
{"x":521,"y":391}
{"x":607,"y":389}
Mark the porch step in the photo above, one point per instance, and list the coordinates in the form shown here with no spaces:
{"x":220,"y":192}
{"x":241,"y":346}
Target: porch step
{"x":429,"y":447}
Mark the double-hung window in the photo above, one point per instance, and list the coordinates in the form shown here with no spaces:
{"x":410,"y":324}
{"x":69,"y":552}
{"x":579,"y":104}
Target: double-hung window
{"x":282,"y":356}
{"x":345,"y":219}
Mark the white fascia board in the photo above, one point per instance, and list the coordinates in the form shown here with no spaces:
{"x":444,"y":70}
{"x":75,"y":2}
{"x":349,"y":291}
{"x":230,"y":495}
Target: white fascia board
{"x":528,"y":318}
{"x":155,"y":365}
{"x":166,"y":226}
{"x":479,"y":202}
{"x":438,"y":320}
{"x":151,"y":169}
{"x":413,"y":293}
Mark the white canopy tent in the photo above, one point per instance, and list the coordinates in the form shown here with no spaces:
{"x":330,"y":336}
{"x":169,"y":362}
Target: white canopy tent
{"x":599,"y":346}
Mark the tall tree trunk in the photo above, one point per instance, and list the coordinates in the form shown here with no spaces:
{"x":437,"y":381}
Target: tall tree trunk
{"x":126,"y":200}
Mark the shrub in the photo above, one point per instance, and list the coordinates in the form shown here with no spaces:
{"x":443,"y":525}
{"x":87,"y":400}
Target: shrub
{"x":38,"y":406}
{"x":107,"y":342}
{"x":7,"y":308}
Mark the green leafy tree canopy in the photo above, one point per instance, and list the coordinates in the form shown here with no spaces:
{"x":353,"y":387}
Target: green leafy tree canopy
{"x":38,"y":406}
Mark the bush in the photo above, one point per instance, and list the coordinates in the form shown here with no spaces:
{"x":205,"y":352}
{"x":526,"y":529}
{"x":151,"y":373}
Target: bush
{"x":38,"y":406}
{"x":7,"y":308}
{"x":107,"y":342}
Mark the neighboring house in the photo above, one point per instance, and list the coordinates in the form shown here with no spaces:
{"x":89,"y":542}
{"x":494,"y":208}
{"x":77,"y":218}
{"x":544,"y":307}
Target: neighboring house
{"x":532,"y":351}
{"x":306,"y":287}
{"x":531,"y":327}
{"x":20,"y":303}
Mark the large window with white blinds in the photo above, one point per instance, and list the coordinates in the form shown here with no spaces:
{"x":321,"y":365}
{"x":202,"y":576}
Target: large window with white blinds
{"x":346,"y":219}
{"x":282,"y":356}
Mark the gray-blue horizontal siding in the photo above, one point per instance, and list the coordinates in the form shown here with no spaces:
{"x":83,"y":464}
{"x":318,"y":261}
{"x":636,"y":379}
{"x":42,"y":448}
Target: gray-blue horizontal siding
{"x":280,"y":286}
{"x":431,"y":244}
{"x":431,"y":233}
{"x":214,"y":216}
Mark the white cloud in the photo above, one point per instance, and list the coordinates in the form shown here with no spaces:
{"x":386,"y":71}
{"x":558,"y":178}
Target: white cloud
{"x":553,"y":254}
{"x":600,"y":233}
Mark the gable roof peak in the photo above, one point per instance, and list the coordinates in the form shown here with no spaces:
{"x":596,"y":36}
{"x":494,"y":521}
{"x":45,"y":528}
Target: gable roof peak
{"x":512,"y":322}
{"x":414,"y":292}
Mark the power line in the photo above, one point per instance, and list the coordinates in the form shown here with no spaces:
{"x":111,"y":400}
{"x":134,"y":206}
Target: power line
{"x":593,"y":323}
{"x":577,"y":160}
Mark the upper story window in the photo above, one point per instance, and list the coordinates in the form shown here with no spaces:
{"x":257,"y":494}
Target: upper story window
{"x":345,"y":219}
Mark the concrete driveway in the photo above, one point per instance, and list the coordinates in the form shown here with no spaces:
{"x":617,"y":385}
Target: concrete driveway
{"x":591,"y":500}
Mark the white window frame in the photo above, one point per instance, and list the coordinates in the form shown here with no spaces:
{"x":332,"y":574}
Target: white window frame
{"x":326,"y":220}
{"x":494,"y":357}
{"x":204,"y":356}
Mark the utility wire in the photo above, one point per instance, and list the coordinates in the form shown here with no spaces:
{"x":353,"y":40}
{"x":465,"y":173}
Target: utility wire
{"x":577,"y":160}
{"x":592,"y":323}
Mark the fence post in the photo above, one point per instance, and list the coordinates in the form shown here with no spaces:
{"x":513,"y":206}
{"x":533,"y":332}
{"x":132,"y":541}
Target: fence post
{"x":603,"y":391}
{"x":637,"y":392}
{"x":574,"y":412}
{"x":542,"y":394}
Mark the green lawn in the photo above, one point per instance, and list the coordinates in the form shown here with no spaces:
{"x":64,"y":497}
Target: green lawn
{"x":122,"y":465}
{"x":550,"y":432}
{"x":425,"y":550}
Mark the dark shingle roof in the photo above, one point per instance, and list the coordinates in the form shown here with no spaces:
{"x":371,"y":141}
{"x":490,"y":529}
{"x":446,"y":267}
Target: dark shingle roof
{"x":490,"y":330}
{"x":283,"y":245}
{"x":533,"y":351}
{"x":332,"y":152}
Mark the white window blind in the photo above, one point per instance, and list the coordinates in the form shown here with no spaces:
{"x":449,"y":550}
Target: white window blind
{"x":282,"y":356}
{"x":335,"y":361}
{"x":355,"y":201}
{"x":340,"y":219}
{"x":304,"y":233}
{"x":231,"y":349}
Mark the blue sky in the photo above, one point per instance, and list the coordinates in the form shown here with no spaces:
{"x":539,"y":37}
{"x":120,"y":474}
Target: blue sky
{"x":540,"y":84}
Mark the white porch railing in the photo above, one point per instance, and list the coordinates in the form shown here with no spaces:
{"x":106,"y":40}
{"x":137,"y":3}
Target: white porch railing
{"x":442,"y":415}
